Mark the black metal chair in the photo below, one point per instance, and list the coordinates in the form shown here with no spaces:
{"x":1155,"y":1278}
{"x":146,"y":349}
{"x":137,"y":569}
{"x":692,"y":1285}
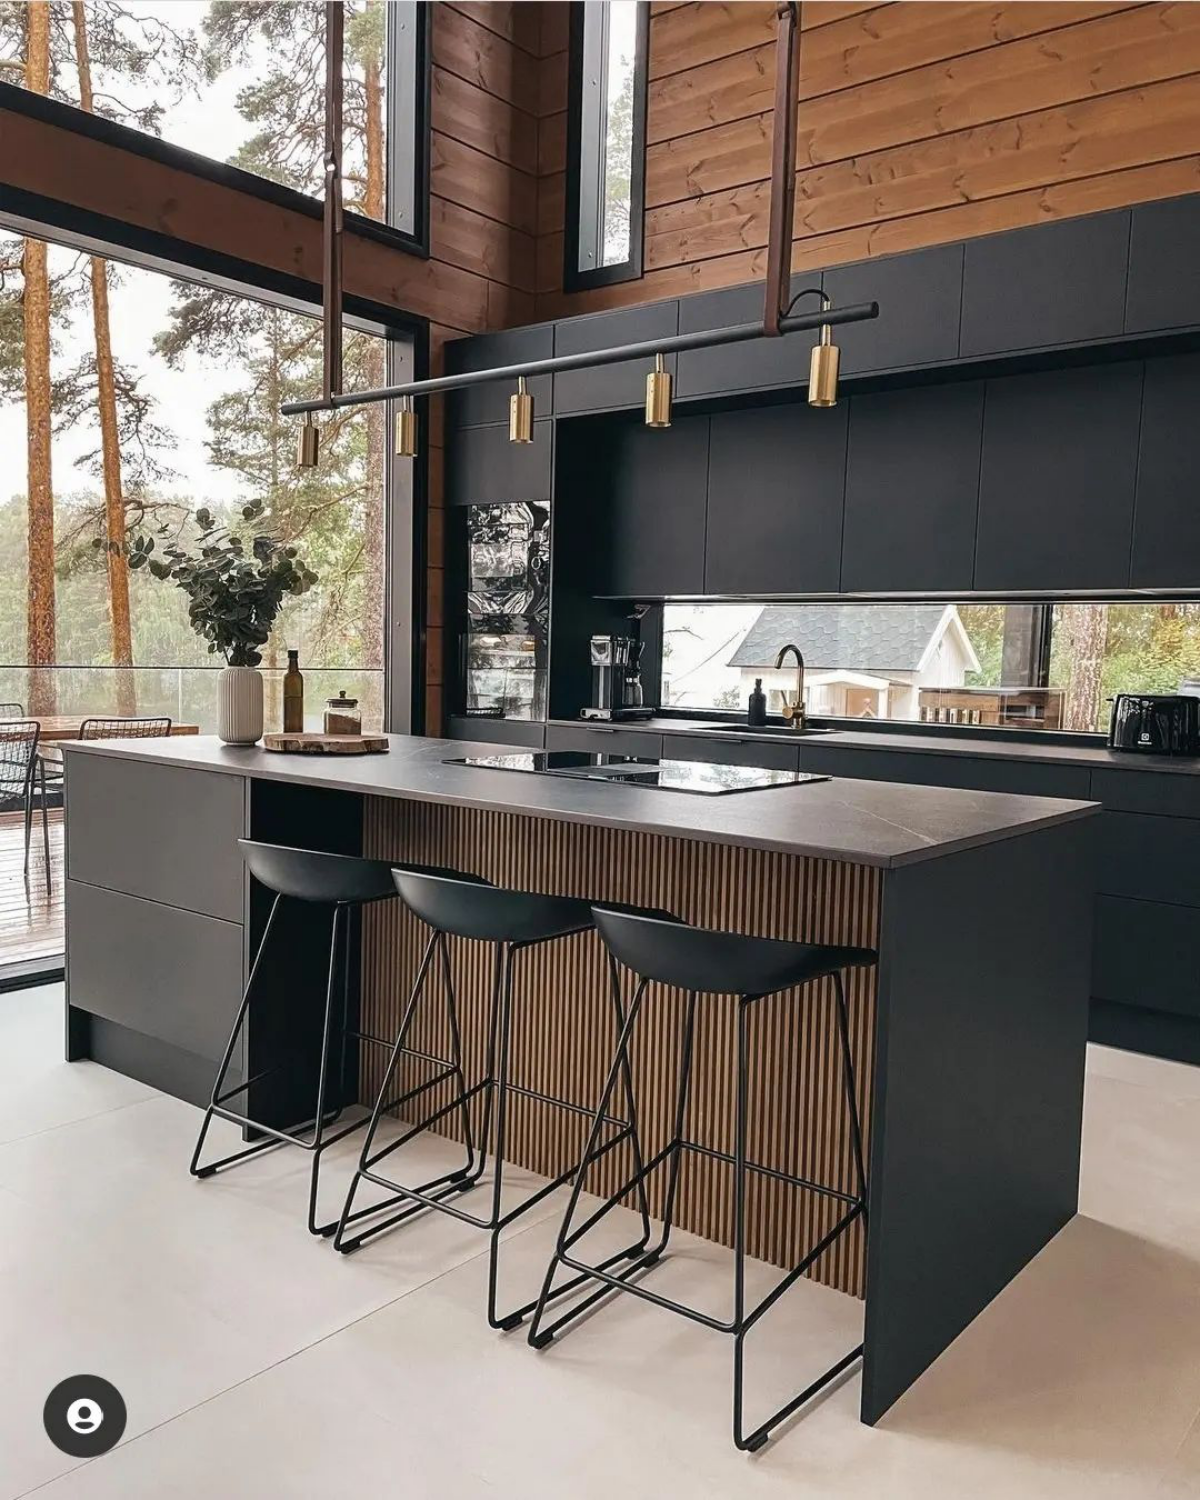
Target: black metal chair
{"x":512,"y":922}
{"x":337,"y":882}
{"x":18,"y":764}
{"x":703,"y":961}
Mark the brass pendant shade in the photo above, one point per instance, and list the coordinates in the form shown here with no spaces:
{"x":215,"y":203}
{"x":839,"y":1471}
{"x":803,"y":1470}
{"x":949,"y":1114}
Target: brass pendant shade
{"x":658,"y":395}
{"x":406,"y":429}
{"x":308,"y":446}
{"x":520,"y":414}
{"x":823,"y":370}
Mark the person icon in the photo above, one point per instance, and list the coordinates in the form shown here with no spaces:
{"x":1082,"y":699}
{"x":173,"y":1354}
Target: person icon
{"x":84,"y":1416}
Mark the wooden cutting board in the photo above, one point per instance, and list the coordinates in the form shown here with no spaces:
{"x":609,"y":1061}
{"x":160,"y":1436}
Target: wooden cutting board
{"x":326,"y":744}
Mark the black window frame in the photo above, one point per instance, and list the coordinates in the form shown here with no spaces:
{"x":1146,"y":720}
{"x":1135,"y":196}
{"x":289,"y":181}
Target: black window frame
{"x":583,"y":131}
{"x":409,"y":55}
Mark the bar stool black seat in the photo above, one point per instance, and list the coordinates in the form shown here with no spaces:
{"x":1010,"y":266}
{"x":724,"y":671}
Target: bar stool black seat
{"x":703,"y":961}
{"x":341,"y":883}
{"x":513,"y":922}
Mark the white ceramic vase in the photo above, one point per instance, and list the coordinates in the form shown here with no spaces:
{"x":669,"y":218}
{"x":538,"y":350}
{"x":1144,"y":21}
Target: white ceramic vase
{"x":240,"y":705}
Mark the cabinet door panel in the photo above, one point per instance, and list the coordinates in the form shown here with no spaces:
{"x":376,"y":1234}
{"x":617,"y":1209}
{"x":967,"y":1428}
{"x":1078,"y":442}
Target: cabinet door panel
{"x":912,"y":489}
{"x":776,"y":482}
{"x":607,"y":387}
{"x":730,"y":750}
{"x":972,"y":773}
{"x":172,"y":974}
{"x":655,"y":494}
{"x":1164,"y":253}
{"x":484,"y":468}
{"x":603,"y":739}
{"x":919,"y":296}
{"x":527,"y":733}
{"x":1138,"y":789}
{"x":1057,"y":479}
{"x":1149,"y":858}
{"x":163,"y":832}
{"x":1051,"y":284}
{"x":1144,"y":953}
{"x":1166,"y":528}
{"x":755,"y":365}
{"x":478,"y":405}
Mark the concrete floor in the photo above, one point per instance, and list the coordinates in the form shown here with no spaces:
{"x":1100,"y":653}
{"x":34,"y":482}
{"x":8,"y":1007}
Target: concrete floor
{"x":255,"y":1363}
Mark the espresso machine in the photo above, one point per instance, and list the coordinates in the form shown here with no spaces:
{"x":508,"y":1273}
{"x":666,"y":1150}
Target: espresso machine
{"x":616,"y":679}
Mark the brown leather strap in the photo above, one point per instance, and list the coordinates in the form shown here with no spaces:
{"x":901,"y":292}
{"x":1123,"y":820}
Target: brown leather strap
{"x":783,"y":167}
{"x":331,"y":258}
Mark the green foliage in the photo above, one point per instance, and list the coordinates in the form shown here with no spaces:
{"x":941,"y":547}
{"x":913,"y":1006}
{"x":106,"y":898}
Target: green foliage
{"x":234,"y":594}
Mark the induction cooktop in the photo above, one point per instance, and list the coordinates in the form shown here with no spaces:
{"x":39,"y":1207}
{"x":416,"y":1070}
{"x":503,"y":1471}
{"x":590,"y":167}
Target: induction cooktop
{"x":696,"y":776}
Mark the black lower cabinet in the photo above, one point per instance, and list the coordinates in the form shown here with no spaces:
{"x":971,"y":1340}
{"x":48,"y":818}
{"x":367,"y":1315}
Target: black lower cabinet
{"x":729,"y":750}
{"x":1166,"y":528}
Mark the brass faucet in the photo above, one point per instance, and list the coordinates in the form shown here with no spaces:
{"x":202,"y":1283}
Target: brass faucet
{"x":794,"y":712}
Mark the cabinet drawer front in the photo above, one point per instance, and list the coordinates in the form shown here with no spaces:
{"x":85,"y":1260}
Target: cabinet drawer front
{"x":1172,"y":794}
{"x":919,"y":297}
{"x":528,"y":733}
{"x":1144,"y":953}
{"x":1150,"y":858}
{"x":972,"y":773}
{"x":162,"y":832}
{"x":477,"y":405}
{"x":168,"y":973}
{"x":601,"y":739}
{"x":750,"y":366}
{"x":729,"y":750}
{"x":1164,"y":249}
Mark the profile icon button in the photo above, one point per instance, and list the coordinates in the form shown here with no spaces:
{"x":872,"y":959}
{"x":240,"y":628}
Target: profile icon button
{"x":84,"y":1416}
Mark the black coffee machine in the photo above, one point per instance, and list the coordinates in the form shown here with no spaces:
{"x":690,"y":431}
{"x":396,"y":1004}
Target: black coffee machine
{"x":616,"y":679}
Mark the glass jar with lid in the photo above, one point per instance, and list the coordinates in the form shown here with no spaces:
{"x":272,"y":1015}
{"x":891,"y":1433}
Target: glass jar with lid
{"x":342,"y":715}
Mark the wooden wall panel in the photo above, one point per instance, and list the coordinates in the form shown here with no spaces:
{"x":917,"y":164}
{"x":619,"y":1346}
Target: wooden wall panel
{"x":563,"y":1031}
{"x":919,"y":123}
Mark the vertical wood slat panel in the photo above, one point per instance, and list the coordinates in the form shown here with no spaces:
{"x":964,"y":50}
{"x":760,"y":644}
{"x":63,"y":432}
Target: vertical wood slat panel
{"x":563,"y":1027}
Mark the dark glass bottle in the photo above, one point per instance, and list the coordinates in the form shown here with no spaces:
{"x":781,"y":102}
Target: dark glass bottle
{"x":756,"y":713}
{"x":293,"y":696}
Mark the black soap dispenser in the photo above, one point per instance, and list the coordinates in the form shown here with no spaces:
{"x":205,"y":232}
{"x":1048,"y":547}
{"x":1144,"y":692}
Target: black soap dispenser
{"x":756,"y":713}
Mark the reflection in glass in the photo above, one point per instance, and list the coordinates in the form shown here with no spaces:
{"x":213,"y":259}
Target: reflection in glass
{"x":508,"y":607}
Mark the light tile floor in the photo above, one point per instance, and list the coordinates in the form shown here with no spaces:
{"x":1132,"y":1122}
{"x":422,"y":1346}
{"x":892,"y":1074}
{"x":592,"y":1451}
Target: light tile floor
{"x":255,"y":1363}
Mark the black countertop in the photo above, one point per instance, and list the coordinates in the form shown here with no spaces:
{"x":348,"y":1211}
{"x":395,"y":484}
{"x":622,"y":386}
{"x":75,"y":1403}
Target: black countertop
{"x":982,"y":746}
{"x":860,"y":822}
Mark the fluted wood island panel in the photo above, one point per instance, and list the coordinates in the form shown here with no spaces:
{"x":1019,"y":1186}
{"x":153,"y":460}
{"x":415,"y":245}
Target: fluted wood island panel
{"x":563,"y":1023}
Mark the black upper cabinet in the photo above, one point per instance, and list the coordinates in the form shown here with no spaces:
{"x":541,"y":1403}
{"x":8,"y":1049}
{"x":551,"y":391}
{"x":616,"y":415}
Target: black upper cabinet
{"x":776,"y":481}
{"x":1052,"y":284}
{"x":1057,"y":479}
{"x":754,"y":365}
{"x":607,"y":387}
{"x":484,"y":468}
{"x":654,"y":485}
{"x":478,"y":404}
{"x":912,"y":488}
{"x":919,"y":297}
{"x":1164,"y":265}
{"x":1166,"y":527}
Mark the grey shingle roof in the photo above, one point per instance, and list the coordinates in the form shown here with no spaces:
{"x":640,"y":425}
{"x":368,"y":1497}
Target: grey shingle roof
{"x":865,"y":637}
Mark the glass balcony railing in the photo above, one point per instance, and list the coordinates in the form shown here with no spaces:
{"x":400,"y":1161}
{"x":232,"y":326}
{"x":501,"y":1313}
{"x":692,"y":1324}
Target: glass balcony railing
{"x":188,"y":695}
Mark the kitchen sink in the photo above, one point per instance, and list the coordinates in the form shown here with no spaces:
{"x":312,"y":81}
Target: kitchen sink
{"x":784,"y":731}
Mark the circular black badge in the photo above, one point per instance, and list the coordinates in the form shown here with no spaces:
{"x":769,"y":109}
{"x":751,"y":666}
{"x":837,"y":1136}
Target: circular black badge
{"x":84,"y":1416}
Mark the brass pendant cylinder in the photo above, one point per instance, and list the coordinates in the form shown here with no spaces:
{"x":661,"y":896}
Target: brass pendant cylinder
{"x":823,"y":371}
{"x":658,"y":395}
{"x":520,"y":414}
{"x":406,"y":429}
{"x":308,"y":445}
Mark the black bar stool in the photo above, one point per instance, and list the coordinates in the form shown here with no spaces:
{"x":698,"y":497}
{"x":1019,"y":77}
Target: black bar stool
{"x":702,"y":961}
{"x":339,"y":882}
{"x":513,"y":922}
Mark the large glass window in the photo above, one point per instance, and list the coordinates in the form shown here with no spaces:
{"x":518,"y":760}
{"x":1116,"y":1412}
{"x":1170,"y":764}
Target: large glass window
{"x":129,"y":400}
{"x":244,"y":84}
{"x":1022,"y":666}
{"x":606,"y":142}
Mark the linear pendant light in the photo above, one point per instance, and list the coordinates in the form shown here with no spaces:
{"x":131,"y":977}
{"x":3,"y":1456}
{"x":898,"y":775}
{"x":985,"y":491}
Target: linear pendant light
{"x":778,"y":320}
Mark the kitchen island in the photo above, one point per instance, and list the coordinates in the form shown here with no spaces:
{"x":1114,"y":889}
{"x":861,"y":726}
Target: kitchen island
{"x":969,"y":1037}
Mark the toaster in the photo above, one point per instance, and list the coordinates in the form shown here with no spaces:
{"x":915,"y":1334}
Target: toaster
{"x":1155,"y":724}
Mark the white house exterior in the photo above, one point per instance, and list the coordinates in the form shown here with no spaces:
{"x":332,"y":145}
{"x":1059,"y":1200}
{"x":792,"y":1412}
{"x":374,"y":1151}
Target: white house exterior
{"x":867,"y":661}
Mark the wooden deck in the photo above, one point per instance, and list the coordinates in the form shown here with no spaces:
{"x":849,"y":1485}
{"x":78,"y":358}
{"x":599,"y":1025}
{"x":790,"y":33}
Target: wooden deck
{"x":31,"y":917}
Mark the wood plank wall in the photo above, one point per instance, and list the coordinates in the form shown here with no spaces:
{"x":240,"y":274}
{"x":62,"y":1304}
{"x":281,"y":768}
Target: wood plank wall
{"x":563,"y":1025}
{"x":919,"y":123}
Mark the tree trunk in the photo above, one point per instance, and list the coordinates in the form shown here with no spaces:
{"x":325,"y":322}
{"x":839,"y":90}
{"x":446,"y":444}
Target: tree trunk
{"x":375,"y":540}
{"x":120,"y":629}
{"x":40,"y":641}
{"x":1089,"y":636}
